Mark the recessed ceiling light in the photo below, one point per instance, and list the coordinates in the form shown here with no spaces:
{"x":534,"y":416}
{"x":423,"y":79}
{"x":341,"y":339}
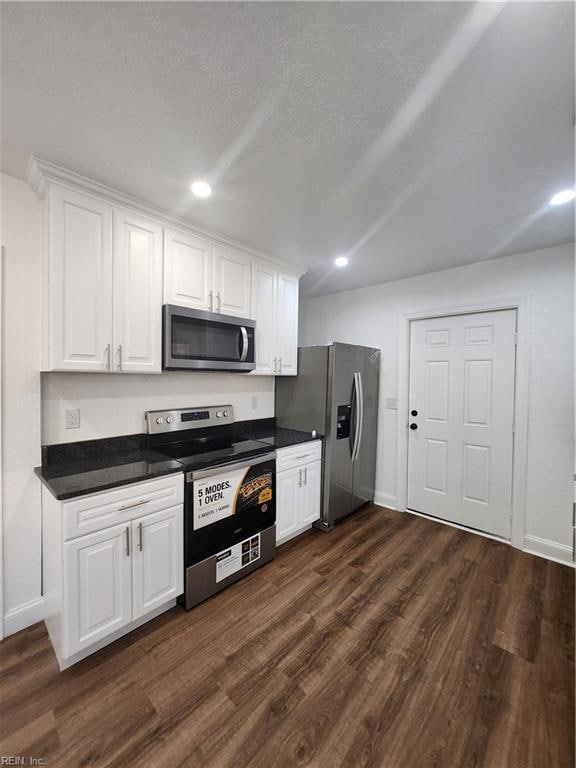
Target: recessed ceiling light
{"x":201,"y":188}
{"x":341,"y":261}
{"x":563,"y":197}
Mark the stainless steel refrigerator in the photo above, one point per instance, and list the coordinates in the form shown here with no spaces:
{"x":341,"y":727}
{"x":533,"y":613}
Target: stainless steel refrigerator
{"x":336,"y":393}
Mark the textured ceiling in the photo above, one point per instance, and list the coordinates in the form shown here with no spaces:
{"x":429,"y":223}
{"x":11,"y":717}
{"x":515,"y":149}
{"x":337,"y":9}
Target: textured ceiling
{"x":412,"y":136}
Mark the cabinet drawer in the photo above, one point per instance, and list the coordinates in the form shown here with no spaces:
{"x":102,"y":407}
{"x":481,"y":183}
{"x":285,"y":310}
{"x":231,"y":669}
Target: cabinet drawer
{"x":298,"y":455}
{"x":120,"y":505}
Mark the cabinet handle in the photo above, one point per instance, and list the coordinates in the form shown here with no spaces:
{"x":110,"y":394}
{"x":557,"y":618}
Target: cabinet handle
{"x":107,"y":355}
{"x":127,"y":532}
{"x":140,"y":539}
{"x":299,"y":478}
{"x":219,"y":303}
{"x":304,"y":456}
{"x":136,"y":504}
{"x":211,"y":295}
{"x":119,"y":357}
{"x":305,"y":475}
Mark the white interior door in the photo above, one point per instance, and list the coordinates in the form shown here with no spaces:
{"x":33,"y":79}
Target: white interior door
{"x":461,"y":419}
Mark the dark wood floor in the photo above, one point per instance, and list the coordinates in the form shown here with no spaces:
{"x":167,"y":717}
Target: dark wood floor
{"x":393,"y":642}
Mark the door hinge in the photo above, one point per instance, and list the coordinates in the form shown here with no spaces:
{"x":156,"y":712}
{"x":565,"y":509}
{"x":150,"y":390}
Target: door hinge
{"x":515,"y":338}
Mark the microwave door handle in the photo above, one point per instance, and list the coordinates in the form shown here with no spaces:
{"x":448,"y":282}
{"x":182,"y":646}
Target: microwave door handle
{"x":244,"y":336}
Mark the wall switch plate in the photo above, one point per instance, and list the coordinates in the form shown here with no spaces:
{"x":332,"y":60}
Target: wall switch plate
{"x":392,"y":403}
{"x":72,"y":419}
{"x":254,"y":402}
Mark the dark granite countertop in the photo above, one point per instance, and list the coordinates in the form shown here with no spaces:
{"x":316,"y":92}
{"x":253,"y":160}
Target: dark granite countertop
{"x":88,"y":466}
{"x":279,"y":437}
{"x":77,"y":477}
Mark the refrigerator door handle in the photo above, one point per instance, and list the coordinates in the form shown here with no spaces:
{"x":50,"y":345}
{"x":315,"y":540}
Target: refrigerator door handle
{"x":357,"y":399}
{"x":361,"y":414}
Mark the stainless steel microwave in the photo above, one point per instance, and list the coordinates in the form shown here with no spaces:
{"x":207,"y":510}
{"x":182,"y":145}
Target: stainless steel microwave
{"x":206,"y":341}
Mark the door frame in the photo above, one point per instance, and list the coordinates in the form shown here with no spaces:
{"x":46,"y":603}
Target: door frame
{"x":519,"y":461}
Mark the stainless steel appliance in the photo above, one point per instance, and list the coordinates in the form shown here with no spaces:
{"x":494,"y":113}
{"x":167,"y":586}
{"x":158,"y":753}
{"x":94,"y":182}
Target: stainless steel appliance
{"x":229,"y":496}
{"x":194,"y":339}
{"x":336,"y":394}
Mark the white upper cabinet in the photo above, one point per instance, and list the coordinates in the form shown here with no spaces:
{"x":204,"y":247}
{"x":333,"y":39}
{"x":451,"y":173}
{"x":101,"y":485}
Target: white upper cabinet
{"x":111,"y":267}
{"x":287,"y":324}
{"x":264,"y":283}
{"x":79,"y":318}
{"x":232,"y":278}
{"x":275,"y":309}
{"x":188,"y":271}
{"x":137,"y":346}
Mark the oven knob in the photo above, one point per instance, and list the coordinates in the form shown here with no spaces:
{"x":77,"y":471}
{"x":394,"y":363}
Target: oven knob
{"x":160,"y":420}
{"x":225,"y":413}
{"x":169,"y":419}
{"x":218,"y":414}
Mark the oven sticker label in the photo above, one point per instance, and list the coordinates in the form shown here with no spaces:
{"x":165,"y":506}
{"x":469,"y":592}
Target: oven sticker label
{"x":235,"y":558}
{"x":215,"y":497}
{"x":223,"y":495}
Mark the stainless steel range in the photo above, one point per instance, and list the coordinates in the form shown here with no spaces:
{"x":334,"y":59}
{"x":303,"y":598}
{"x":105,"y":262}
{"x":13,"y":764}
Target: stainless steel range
{"x":229,"y":497}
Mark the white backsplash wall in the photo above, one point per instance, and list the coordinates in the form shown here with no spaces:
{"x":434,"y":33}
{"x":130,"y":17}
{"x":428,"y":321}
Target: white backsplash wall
{"x":114,"y":404}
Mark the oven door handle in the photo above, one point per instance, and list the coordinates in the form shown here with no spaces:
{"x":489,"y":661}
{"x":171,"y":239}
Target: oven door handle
{"x":244,"y":337}
{"x":221,"y":468}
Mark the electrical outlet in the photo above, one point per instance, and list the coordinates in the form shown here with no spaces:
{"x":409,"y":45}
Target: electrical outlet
{"x":72,"y":419}
{"x":254,"y":402}
{"x":392,"y":403}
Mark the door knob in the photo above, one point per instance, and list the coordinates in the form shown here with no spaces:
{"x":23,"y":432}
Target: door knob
{"x":413,"y":413}
{"x":413,"y":426}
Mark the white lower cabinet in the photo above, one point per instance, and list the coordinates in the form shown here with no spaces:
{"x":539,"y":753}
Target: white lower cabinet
{"x":102,"y":584}
{"x":312,"y":479}
{"x":288,"y":492}
{"x":157,"y":560}
{"x":298,"y":489}
{"x":98,"y":587}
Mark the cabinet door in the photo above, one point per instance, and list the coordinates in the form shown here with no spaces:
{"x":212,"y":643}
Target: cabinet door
{"x":188,"y":271}
{"x":157,"y":560}
{"x":287,"y":324}
{"x":97,"y":587}
{"x":80,"y":282}
{"x":264,"y":311}
{"x":312,"y":481}
{"x":288,"y":503}
{"x":232,"y":282}
{"x":137,"y":294}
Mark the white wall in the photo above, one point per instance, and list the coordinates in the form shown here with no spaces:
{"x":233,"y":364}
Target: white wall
{"x":21,"y":218}
{"x":113,"y":405}
{"x":370,"y":316}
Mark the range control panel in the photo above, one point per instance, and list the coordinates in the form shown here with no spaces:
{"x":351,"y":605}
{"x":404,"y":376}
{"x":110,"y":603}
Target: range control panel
{"x":188,"y":418}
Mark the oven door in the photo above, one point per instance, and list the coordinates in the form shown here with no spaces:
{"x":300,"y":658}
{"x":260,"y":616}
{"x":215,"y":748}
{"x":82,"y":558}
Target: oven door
{"x":207,"y":341}
{"x":226,"y":504}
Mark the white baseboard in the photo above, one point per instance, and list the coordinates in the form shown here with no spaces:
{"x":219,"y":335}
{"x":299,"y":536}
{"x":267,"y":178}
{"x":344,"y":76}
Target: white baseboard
{"x":551,"y":550}
{"x":24,"y":616}
{"x":385,"y":500}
